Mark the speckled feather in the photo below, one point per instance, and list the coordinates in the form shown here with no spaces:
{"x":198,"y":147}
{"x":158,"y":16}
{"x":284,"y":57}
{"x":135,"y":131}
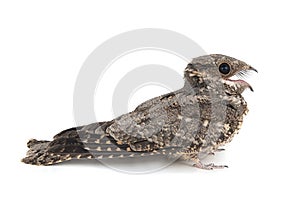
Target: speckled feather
{"x":198,"y":118}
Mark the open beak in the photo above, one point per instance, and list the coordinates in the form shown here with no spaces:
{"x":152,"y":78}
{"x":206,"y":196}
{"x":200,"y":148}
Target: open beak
{"x":242,"y":83}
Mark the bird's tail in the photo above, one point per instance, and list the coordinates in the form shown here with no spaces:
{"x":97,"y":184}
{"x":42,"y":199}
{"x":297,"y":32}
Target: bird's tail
{"x":85,"y":142}
{"x":65,"y":146}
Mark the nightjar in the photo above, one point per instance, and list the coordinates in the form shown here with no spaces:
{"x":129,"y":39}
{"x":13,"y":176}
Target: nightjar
{"x":197,"y":119}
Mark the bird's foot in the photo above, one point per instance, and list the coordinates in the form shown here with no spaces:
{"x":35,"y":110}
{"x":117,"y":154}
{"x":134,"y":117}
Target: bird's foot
{"x":209,"y":166}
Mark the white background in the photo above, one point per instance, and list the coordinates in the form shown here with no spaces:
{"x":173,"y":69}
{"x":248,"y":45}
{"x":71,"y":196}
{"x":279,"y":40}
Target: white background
{"x":42,"y":48}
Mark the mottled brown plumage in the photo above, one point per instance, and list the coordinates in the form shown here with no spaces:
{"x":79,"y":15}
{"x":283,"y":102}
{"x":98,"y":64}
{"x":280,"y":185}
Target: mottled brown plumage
{"x":199,"y":118}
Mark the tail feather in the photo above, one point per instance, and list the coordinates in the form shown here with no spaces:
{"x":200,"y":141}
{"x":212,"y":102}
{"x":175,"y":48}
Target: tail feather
{"x":85,"y":142}
{"x":65,"y":146}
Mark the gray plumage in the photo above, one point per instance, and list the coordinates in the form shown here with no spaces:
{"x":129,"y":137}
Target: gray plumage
{"x":200,"y":117}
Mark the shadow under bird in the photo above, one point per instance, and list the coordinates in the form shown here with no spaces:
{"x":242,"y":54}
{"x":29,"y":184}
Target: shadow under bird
{"x":197,"y":119}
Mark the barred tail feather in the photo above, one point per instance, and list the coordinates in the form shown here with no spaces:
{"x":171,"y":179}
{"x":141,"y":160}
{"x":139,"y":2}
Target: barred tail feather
{"x":85,"y":142}
{"x":65,"y":146}
{"x":48,"y":153}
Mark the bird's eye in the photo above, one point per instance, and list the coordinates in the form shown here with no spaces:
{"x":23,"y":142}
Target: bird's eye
{"x":224,"y":68}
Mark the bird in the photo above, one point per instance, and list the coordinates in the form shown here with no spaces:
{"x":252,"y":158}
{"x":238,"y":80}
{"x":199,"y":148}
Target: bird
{"x":197,"y":119}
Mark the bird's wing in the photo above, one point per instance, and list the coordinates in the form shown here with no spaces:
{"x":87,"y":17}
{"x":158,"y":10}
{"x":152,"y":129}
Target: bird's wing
{"x":168,"y":121}
{"x":149,"y":127}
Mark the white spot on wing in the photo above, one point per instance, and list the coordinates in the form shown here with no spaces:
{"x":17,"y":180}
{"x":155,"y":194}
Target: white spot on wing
{"x":205,"y":123}
{"x":118,"y":149}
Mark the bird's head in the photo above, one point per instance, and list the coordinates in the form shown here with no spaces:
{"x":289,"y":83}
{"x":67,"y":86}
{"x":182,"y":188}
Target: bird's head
{"x":217,"y":68}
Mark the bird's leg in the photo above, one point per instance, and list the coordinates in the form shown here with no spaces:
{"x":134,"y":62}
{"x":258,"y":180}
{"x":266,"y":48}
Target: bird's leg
{"x":200,"y":165}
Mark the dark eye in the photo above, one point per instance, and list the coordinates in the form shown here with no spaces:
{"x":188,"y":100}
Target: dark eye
{"x":224,"y":68}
